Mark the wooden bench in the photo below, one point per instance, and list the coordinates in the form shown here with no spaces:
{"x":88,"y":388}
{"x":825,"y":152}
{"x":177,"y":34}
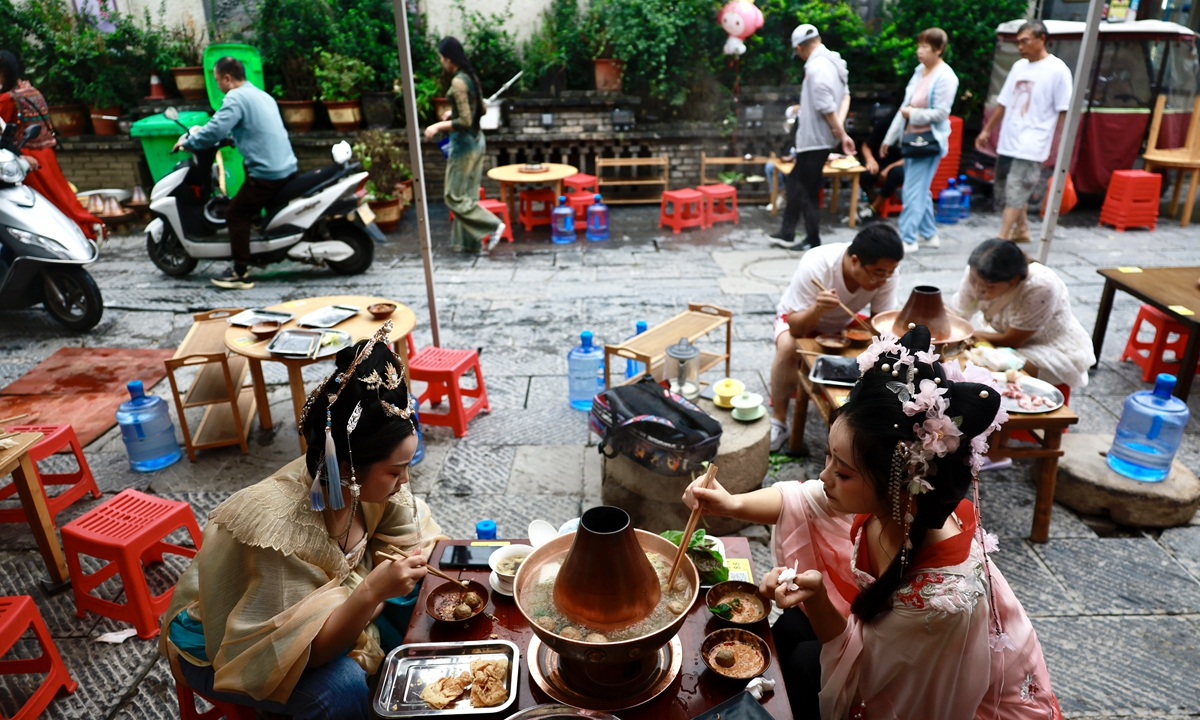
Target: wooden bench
{"x":634,"y":179}
{"x":227,"y":413}
{"x":650,"y":348}
{"x":757,"y":161}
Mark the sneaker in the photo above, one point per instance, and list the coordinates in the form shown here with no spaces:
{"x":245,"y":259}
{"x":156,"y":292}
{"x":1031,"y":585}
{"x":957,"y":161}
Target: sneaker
{"x":794,"y":243}
{"x":779,"y":435}
{"x":933,"y":242}
{"x":495,"y":238}
{"x":910,"y":248}
{"x":231,"y":279}
{"x":997,"y":465}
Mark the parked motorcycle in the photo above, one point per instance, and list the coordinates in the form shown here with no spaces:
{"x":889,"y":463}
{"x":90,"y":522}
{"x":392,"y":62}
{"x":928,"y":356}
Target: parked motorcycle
{"x":42,"y":251}
{"x":317,"y":218}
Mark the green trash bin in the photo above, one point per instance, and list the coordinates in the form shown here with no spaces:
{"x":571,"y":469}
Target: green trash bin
{"x":250,"y":58}
{"x":158,"y":136}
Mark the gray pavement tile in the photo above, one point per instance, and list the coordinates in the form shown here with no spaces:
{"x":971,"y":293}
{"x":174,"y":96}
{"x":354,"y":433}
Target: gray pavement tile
{"x":548,"y":425}
{"x":472,"y":468}
{"x":505,"y":392}
{"x":1094,"y":414}
{"x":550,"y":391}
{"x":16,"y":535}
{"x":1121,"y":576}
{"x":1122,"y":667}
{"x":1184,"y":544}
{"x":20,"y":573}
{"x":154,"y":697}
{"x":524,"y":361}
{"x":1040,"y":593}
{"x":547,"y":470}
{"x":458,"y":515}
{"x":1007,"y":511}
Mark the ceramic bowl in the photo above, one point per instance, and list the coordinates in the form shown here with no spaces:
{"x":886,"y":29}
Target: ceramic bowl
{"x":449,"y":593}
{"x":858,"y":337}
{"x":506,"y":579}
{"x":836,"y":341}
{"x":381,"y":310}
{"x":725,"y":390}
{"x":737,"y":635}
{"x":264,"y":329}
{"x":722,"y":590}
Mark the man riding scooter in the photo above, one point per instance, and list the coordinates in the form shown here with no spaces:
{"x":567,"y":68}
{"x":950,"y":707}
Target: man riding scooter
{"x":252,"y":117}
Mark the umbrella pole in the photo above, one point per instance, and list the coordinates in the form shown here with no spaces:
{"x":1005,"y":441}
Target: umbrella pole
{"x":1066,"y":143}
{"x":420,"y":202}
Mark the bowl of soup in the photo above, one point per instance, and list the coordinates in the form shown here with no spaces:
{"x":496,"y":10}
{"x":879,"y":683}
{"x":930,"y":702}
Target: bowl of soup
{"x":736,"y":602}
{"x":506,"y":561}
{"x":735,"y":654}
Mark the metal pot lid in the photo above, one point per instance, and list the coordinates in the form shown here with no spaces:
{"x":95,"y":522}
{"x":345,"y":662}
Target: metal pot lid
{"x":683,"y":350}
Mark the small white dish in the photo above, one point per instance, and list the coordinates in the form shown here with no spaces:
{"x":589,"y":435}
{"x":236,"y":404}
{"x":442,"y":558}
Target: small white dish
{"x":541,"y":532}
{"x":569,"y":526}
{"x":494,"y":581}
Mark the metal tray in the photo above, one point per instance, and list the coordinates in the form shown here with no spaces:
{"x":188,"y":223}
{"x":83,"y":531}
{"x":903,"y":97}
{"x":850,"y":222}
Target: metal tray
{"x":246,"y":318}
{"x":299,"y":343}
{"x":328,"y":316}
{"x":1030,"y":386}
{"x":409,"y":668}
{"x":817,"y":375}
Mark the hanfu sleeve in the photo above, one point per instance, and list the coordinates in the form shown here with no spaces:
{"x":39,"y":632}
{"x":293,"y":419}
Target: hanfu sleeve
{"x":397,"y":527}
{"x":816,"y":537}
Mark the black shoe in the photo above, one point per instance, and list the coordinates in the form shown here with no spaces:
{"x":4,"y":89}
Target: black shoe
{"x":233,"y":279}
{"x":792,"y":243}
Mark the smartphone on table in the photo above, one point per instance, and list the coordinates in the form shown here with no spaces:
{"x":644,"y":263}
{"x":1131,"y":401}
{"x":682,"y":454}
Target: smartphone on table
{"x":467,"y":556}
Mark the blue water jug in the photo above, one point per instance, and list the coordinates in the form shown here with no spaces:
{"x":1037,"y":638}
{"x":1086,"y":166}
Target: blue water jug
{"x":964,"y":187}
{"x":485,"y":530}
{"x":585,"y":365}
{"x":949,"y":204}
{"x":562,"y":223}
{"x":597,"y":220}
{"x":419,"y":455}
{"x":633,"y":368}
{"x":1149,"y":433}
{"x":147,"y":430}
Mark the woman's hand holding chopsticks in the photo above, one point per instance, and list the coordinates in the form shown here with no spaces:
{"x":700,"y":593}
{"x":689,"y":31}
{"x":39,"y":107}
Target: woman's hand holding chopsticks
{"x":716,"y":499}
{"x":396,"y":576}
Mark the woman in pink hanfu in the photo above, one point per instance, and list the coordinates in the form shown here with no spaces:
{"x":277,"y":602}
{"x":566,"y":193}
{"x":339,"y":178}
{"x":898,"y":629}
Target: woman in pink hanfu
{"x":891,"y":607}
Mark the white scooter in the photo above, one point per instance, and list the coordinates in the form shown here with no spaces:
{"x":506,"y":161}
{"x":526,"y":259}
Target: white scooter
{"x":317,"y":218}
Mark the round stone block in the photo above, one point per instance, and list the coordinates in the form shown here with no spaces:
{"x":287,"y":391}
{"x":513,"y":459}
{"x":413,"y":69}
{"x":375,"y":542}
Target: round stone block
{"x":1088,"y":485}
{"x":655,"y":502}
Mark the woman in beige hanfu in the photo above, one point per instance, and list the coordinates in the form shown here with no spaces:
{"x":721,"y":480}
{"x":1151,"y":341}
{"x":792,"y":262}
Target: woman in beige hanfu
{"x":283,"y":607}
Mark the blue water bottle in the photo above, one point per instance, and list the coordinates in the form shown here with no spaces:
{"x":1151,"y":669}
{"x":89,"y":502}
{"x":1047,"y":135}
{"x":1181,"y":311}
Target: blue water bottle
{"x":147,"y":430}
{"x":633,"y":368}
{"x":964,"y":187}
{"x":949,"y":204}
{"x":597,"y":220}
{"x":585,"y":363}
{"x":1149,"y":433}
{"x":562,"y":223}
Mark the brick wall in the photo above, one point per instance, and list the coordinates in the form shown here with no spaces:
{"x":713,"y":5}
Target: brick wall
{"x":92,"y":164}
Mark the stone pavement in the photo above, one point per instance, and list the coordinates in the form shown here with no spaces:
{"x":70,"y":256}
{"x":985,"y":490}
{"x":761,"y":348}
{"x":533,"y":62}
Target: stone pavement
{"x":1117,"y":609}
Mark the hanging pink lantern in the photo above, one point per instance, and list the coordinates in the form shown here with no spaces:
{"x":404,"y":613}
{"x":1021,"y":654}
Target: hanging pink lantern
{"x":740,"y":19}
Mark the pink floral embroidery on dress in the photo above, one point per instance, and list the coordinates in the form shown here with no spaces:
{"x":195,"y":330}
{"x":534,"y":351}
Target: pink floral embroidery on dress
{"x":943,"y":593}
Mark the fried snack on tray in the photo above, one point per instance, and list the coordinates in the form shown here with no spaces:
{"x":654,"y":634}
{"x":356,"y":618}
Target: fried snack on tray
{"x":445,"y":690}
{"x":487,"y":686}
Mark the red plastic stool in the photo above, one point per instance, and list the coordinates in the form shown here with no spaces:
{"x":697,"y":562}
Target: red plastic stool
{"x":500,"y":210}
{"x":80,"y":482}
{"x":580,"y":202}
{"x":890,"y":205}
{"x":17,"y":615}
{"x":220,"y":709}
{"x":442,"y":369}
{"x":687,"y":209}
{"x":580,"y":182}
{"x":720,"y":203}
{"x":127,"y":531}
{"x":527,"y":215}
{"x":1132,"y":200}
{"x":1152,"y":362}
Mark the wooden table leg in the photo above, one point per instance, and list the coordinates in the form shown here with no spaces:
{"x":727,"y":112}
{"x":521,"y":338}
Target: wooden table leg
{"x":299,"y":396}
{"x":1047,"y":476}
{"x":260,"y":394}
{"x":854,"y":200}
{"x":1191,"y":199}
{"x":1106,"y":301}
{"x":33,"y":500}
{"x":1191,"y":355}
{"x":833,"y":204}
{"x":799,"y":420}
{"x":1175,"y":191}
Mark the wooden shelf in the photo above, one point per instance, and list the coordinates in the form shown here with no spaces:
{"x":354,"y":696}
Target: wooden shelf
{"x":210,"y":387}
{"x":650,"y":347}
{"x":217,"y":428}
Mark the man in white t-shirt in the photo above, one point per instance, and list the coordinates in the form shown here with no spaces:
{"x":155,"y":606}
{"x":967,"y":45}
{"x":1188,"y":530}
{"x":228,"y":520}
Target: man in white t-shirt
{"x":1032,"y":107}
{"x":859,"y":274}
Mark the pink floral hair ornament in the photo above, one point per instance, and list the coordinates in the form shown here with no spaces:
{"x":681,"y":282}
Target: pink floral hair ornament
{"x":740,"y":19}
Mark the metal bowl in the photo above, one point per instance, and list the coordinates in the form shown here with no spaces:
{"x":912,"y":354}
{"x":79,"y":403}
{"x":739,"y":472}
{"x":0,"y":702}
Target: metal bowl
{"x":442,"y":592}
{"x":735,"y":635}
{"x":610,"y":653}
{"x":722,"y":590}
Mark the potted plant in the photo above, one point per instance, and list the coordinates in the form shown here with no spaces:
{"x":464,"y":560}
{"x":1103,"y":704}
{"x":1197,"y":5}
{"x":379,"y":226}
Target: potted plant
{"x":342,"y":81}
{"x":381,"y":158}
{"x":108,"y":69}
{"x":609,"y":71}
{"x":298,"y":89}
{"x":51,"y":26}
{"x":181,"y":53}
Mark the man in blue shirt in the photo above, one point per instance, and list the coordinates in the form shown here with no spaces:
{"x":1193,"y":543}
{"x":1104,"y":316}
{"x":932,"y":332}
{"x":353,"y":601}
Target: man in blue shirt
{"x":252,"y":117}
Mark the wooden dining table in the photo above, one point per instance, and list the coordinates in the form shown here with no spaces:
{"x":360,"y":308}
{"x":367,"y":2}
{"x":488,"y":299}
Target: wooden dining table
{"x":784,"y":168}
{"x":15,"y":461}
{"x":1045,"y":428}
{"x":695,"y":690}
{"x":1174,"y":291}
{"x":363,"y":325}
{"x":510,"y":176}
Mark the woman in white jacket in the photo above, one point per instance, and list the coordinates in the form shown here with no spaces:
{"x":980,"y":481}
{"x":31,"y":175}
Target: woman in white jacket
{"x":927,"y":102}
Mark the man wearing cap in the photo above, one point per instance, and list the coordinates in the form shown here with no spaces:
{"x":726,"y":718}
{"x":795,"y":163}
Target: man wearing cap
{"x":824,"y":102}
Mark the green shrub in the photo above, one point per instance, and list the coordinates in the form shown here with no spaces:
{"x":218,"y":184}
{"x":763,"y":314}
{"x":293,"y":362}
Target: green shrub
{"x":491,"y":48}
{"x":342,"y":78}
{"x":47,"y":61}
{"x":290,"y":33}
{"x":381,"y":158}
{"x":560,"y":44}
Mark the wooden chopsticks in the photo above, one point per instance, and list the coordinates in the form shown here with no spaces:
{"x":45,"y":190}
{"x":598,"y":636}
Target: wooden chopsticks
{"x":7,"y":420}
{"x":693,"y":519}
{"x":853,"y":314}
{"x":401,"y":555}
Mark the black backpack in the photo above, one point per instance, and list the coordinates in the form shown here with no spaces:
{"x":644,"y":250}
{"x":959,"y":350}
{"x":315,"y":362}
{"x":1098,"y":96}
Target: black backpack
{"x":655,"y":428}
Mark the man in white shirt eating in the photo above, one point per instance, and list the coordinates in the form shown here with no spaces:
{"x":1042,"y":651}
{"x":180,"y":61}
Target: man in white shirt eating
{"x":1030,"y":110}
{"x":859,"y":273}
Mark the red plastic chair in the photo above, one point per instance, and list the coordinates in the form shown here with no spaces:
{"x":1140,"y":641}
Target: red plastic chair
{"x":220,"y":709}
{"x":580,"y":182}
{"x":127,"y":531}
{"x":580,"y":202}
{"x":1152,"y":363}
{"x":720,"y":203}
{"x":687,"y":209}
{"x":531,"y":217}
{"x":500,"y":210}
{"x":17,"y":615}
{"x":1132,"y":200}
{"x":442,"y":369}
{"x":80,"y":482}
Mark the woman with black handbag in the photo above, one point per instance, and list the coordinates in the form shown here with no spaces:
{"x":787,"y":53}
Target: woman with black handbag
{"x":922,"y":128}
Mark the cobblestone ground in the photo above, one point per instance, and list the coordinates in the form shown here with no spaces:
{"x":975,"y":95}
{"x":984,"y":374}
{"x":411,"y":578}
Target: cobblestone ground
{"x":1117,"y":609}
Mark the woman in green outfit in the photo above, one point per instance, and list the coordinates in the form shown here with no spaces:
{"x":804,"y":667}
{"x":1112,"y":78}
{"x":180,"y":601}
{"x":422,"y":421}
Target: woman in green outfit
{"x":473,"y":227}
